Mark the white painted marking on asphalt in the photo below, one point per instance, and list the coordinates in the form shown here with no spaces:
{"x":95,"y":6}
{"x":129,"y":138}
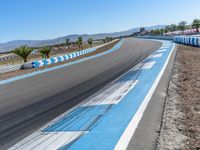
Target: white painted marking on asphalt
{"x":164,"y":47}
{"x":46,"y":141}
{"x":143,"y":66}
{"x":160,"y":51}
{"x":130,"y":130}
{"x":114,"y":94}
{"x":147,"y":65}
{"x":156,"y":55}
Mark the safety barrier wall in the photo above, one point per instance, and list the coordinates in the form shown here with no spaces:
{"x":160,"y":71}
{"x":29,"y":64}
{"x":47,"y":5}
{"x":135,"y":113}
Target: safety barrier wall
{"x":54,"y":60}
{"x":159,"y":37}
{"x":194,"y":41}
{"x":188,"y":40}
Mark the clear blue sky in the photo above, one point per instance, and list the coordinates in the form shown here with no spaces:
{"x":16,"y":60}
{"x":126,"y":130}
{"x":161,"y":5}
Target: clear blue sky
{"x":46,"y":19}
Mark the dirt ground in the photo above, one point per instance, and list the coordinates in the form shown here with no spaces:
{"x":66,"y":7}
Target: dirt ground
{"x":25,"y":71}
{"x":180,"y":128}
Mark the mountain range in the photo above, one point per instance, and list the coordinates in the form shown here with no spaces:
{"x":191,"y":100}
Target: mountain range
{"x":9,"y":46}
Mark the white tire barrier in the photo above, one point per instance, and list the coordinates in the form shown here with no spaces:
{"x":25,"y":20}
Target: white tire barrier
{"x":54,"y":60}
{"x":194,"y":41}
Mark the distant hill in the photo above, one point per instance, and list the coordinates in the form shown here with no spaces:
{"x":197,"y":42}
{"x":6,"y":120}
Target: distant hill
{"x":8,"y":46}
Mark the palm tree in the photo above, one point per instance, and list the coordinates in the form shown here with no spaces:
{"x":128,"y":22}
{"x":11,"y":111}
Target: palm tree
{"x":173,"y":27}
{"x":157,"y":32}
{"x":167,"y":29}
{"x":80,"y":42}
{"x":107,"y":39}
{"x":152,"y":32}
{"x":196,"y":24}
{"x":90,"y":41}
{"x":162,"y":31}
{"x":104,"y":40}
{"x":45,"y":52}
{"x":23,"y":51}
{"x":67,"y":41}
{"x":182,"y":25}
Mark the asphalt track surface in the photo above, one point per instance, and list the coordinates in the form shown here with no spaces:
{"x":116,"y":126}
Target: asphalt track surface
{"x":29,"y":103}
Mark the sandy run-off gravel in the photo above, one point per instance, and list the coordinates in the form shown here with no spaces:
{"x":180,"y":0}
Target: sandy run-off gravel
{"x":180,"y":128}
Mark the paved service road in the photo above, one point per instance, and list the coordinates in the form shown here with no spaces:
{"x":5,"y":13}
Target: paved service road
{"x":29,"y":103}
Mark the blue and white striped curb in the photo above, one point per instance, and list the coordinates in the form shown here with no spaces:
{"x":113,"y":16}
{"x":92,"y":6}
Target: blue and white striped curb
{"x":54,"y":60}
{"x":106,"y":120}
{"x":194,"y":41}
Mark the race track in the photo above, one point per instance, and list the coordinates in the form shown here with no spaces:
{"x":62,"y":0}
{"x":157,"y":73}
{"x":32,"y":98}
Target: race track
{"x":29,"y":103}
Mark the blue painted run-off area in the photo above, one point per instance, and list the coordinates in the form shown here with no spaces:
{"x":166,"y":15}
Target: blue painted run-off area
{"x":80,"y":119}
{"x":106,"y":123}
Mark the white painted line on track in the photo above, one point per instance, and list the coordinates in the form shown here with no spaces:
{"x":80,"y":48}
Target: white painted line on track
{"x":160,"y":51}
{"x":130,"y":130}
{"x":156,"y":55}
{"x":164,"y":47}
{"x":144,"y":66}
{"x":147,"y":65}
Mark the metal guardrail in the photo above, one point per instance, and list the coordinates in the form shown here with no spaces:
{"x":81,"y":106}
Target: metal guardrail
{"x":9,"y":68}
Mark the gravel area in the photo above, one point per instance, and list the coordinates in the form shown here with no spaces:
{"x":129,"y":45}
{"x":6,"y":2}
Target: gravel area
{"x":25,"y":71}
{"x":180,"y":128}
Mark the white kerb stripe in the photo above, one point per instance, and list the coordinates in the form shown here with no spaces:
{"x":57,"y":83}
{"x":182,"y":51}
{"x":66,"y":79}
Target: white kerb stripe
{"x":147,"y":65}
{"x":163,"y":47}
{"x":159,"y":51}
{"x":157,"y":55}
